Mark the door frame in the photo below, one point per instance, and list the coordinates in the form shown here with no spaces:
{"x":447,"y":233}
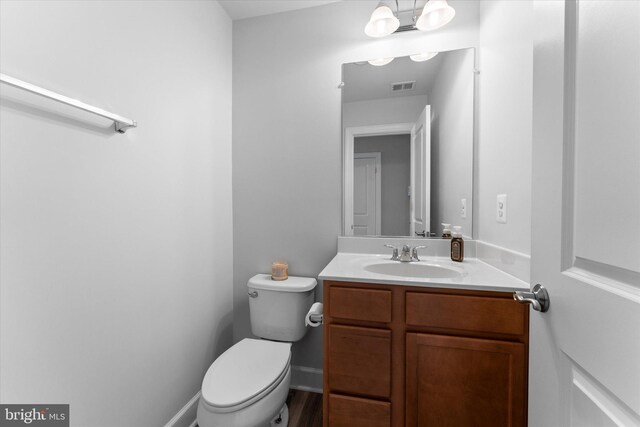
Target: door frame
{"x":350,"y":134}
{"x":377,"y":155}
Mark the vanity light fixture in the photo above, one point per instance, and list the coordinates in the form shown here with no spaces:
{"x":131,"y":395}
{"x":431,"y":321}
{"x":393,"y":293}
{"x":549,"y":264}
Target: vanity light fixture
{"x":380,"y":61}
{"x":436,"y":14}
{"x":424,"y":56}
{"x":383,"y":21}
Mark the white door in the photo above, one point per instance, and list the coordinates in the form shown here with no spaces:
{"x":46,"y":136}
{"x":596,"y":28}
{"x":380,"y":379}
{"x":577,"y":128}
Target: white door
{"x":584,"y":365}
{"x":420,"y":210}
{"x":367,"y":194}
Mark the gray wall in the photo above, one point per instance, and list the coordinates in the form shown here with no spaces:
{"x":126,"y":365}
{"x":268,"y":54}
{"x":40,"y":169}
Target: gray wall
{"x":452,"y":99}
{"x":287,"y":167}
{"x":395,"y":158}
{"x":115,"y":285}
{"x":505,"y":121}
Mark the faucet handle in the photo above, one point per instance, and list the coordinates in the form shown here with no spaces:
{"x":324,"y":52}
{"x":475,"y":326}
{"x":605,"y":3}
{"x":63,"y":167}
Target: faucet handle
{"x":414,"y":252}
{"x":394,"y":255}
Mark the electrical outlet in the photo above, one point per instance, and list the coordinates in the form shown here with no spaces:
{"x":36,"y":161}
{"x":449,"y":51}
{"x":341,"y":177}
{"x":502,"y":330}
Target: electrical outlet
{"x":463,"y":208}
{"x":501,"y":209}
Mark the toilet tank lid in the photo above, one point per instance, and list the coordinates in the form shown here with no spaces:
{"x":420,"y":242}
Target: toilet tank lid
{"x":292,"y":284}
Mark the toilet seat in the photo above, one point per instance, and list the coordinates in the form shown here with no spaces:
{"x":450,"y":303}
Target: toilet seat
{"x":245,"y":373}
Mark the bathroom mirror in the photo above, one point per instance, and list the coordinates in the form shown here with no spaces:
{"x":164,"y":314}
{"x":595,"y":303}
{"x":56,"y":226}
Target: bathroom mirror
{"x":408,"y":145}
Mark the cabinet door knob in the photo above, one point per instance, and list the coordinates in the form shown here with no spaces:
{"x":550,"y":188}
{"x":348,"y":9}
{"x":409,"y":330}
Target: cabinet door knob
{"x":538,"y":298}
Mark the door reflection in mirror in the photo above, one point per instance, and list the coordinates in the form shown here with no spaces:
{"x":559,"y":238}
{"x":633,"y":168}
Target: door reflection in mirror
{"x":391,"y":184}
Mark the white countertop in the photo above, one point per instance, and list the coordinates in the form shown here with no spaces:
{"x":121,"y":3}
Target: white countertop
{"x":476,"y":275}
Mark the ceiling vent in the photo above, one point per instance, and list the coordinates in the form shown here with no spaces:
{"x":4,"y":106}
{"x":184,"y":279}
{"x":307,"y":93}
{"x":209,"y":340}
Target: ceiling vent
{"x":402,"y":86}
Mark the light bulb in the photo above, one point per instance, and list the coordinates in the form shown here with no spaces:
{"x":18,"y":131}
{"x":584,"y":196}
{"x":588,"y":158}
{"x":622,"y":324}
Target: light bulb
{"x":380,"y":61}
{"x":382,"y":23}
{"x":424,"y":56}
{"x":435,"y":14}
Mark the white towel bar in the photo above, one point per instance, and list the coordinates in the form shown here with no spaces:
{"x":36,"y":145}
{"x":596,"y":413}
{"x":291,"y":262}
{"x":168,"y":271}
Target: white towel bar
{"x":121,"y":124}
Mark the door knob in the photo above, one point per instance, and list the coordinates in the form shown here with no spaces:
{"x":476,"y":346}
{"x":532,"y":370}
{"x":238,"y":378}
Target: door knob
{"x":538,"y":298}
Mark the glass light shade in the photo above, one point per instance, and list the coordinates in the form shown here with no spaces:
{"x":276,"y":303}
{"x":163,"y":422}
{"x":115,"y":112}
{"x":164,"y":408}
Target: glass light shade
{"x":424,"y":56}
{"x":435,"y":14}
{"x":380,"y":61}
{"x":382,"y":23}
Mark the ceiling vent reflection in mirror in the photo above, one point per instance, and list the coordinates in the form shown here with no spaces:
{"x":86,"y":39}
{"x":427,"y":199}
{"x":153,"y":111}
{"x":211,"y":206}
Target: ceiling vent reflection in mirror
{"x":403,"y":86}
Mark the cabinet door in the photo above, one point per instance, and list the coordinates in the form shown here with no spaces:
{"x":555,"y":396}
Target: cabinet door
{"x":360,"y":361}
{"x":458,"y":381}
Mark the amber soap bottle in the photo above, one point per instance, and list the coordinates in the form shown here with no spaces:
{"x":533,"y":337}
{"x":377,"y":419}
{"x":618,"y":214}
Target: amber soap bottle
{"x":457,"y":245}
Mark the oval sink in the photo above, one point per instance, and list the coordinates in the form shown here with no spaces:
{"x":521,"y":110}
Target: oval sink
{"x":406,"y":269}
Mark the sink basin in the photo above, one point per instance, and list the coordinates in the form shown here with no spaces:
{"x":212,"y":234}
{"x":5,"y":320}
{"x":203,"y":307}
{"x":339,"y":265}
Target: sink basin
{"x":410,"y":269}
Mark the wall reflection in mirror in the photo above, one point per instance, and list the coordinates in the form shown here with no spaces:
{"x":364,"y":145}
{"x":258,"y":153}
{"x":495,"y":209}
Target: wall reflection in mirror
{"x":408,"y":145}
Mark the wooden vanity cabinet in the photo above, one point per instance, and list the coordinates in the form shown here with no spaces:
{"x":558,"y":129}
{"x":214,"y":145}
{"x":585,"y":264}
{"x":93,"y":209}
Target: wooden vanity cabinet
{"x":414,"y":356}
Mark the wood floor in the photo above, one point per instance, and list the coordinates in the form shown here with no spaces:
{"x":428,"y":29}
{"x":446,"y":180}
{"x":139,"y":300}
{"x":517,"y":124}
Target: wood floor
{"x":305,"y":409}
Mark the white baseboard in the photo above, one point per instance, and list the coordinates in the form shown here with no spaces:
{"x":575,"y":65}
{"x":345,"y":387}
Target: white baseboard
{"x":306,"y":379}
{"x":511,"y":262}
{"x":186,"y":417}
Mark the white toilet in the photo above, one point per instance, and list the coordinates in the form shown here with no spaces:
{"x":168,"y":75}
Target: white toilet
{"x":247,"y":385}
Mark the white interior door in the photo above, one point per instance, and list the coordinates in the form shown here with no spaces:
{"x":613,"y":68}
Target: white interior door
{"x":367,"y":205}
{"x":585,"y":351}
{"x":420,"y":211}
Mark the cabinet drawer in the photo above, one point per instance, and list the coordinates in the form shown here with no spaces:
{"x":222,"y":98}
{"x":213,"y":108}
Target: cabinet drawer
{"x":466,"y":313}
{"x":359,"y":361}
{"x":371,"y":305}
{"x":345,"y":411}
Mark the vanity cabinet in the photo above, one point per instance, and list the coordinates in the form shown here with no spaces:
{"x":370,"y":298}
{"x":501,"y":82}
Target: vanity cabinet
{"x":416,"y":356}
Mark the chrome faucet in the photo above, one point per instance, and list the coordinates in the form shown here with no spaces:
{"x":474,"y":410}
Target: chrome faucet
{"x":408,"y":254}
{"x":394,"y":255}
{"x":405,"y":256}
{"x":414,"y":252}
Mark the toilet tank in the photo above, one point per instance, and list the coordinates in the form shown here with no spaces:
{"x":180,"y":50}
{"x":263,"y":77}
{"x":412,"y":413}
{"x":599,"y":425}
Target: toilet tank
{"x":278,"y":308}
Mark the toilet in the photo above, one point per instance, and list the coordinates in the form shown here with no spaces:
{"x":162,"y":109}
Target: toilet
{"x":247,"y":386}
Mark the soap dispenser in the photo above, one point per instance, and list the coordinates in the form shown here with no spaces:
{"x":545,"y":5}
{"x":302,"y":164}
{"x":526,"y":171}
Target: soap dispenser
{"x":446,"y":231}
{"x":457,"y":245}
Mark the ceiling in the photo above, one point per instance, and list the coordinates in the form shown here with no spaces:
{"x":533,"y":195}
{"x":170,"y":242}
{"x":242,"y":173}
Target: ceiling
{"x":363,"y":81}
{"x":241,"y":9}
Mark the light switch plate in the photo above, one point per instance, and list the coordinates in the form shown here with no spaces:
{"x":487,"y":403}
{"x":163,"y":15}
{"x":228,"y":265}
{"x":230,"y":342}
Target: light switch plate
{"x":501,"y":209}
{"x":463,"y":208}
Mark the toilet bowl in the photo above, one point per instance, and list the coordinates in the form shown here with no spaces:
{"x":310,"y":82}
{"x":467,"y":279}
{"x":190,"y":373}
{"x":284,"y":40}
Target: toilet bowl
{"x":247,"y":386}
